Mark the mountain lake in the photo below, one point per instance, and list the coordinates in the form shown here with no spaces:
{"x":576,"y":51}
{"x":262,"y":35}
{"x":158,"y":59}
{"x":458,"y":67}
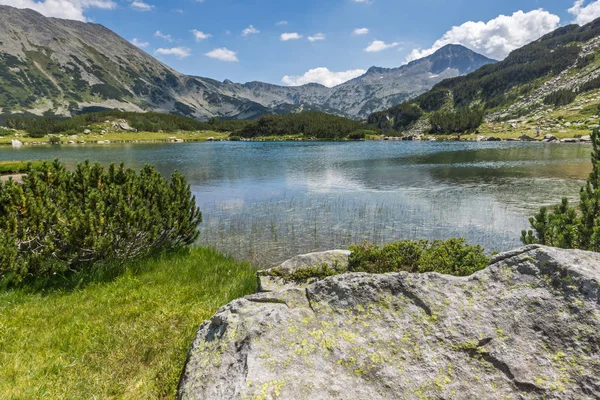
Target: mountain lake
{"x":266,"y":202}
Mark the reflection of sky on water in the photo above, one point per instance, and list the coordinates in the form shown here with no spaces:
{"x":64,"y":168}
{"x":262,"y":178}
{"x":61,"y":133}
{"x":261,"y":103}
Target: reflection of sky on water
{"x":267,"y":201}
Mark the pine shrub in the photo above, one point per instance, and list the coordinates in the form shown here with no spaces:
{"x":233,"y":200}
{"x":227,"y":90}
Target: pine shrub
{"x":62,"y":222}
{"x":451,"y":257}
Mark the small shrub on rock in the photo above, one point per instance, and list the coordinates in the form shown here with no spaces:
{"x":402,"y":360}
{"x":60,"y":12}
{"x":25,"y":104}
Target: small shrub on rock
{"x":452,"y":257}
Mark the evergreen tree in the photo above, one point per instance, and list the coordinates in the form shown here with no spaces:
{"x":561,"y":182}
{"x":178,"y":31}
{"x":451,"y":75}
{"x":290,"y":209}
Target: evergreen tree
{"x":565,"y":227}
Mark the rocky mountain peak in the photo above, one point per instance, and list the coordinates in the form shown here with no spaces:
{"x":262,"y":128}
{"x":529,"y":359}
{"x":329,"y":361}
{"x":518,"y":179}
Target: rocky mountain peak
{"x":51,"y":65}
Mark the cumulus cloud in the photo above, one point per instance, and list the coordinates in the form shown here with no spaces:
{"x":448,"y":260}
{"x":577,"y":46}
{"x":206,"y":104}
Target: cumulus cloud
{"x":141,"y":6}
{"x":161,"y":35}
{"x":68,"y":9}
{"x":360,"y":31}
{"x":223,"y":54}
{"x":179,"y":52}
{"x":585,"y":14}
{"x":279,"y":23}
{"x":316,"y":37}
{"x":290,"y":36}
{"x":199,"y":35}
{"x":323,"y":76}
{"x":497,"y":37}
{"x":378,"y":45}
{"x":139,"y":43}
{"x":251,"y":30}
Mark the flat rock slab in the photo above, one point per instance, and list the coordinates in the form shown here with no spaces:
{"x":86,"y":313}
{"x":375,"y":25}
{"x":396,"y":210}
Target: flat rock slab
{"x":278,"y":278}
{"x":527,"y":327}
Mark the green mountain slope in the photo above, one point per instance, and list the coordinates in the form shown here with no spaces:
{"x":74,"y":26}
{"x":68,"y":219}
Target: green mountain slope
{"x":558,"y":71}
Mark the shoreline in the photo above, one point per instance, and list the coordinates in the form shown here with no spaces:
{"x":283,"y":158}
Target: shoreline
{"x":283,"y":140}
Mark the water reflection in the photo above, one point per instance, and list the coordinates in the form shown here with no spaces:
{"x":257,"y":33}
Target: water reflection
{"x":268,"y":201}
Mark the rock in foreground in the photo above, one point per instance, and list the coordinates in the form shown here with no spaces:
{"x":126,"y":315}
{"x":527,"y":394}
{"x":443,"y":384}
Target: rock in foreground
{"x":527,"y":327}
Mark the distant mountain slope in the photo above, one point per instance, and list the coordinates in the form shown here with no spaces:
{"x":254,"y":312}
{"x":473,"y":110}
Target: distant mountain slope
{"x":62,"y":66}
{"x":548,"y":72}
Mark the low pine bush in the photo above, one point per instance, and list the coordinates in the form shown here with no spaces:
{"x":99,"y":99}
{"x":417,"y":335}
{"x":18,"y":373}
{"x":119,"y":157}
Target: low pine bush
{"x":451,"y":257}
{"x":63,"y":222}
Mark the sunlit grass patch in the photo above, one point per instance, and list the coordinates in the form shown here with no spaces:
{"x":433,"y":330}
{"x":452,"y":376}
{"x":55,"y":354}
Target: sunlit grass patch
{"x":122,"y":338}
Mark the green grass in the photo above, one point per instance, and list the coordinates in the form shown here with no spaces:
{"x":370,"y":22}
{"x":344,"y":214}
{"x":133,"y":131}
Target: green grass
{"x":123,"y":136}
{"x":7,"y":167}
{"x":124,"y":338}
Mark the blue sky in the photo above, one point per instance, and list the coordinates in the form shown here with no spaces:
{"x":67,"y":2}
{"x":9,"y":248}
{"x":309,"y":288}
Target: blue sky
{"x":320,"y":33}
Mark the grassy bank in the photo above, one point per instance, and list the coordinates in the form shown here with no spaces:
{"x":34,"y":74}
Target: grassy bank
{"x":125,"y":338}
{"x":10,"y":167}
{"x":198,"y":136}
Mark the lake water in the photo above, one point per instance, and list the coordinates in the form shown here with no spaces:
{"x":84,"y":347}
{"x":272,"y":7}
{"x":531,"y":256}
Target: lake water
{"x":269,"y":201}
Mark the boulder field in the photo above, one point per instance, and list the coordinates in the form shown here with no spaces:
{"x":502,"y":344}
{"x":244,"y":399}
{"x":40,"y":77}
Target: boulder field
{"x":526,"y":327}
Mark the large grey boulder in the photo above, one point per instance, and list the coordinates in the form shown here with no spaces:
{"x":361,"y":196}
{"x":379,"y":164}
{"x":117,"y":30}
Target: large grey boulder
{"x":527,"y":327}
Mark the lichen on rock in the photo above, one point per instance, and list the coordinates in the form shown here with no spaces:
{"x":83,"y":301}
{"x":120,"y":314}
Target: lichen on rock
{"x":526,"y":327}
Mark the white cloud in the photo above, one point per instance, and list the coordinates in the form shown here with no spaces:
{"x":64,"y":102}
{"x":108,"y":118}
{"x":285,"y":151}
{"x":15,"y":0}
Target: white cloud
{"x":323,"y":76}
{"x":378,"y":45}
{"x":251,"y":30}
{"x":497,"y":37}
{"x":69,"y":9}
{"x":290,"y":36}
{"x":316,"y":37}
{"x":199,"y":35}
{"x":223,"y":54}
{"x":141,"y":6}
{"x":179,"y":52}
{"x":585,"y":14}
{"x":360,"y":31}
{"x":139,"y":43}
{"x":279,"y":23}
{"x":161,"y":35}
{"x":361,"y":1}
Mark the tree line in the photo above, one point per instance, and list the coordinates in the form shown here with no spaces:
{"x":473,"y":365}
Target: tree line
{"x":147,"y":122}
{"x":310,"y":124}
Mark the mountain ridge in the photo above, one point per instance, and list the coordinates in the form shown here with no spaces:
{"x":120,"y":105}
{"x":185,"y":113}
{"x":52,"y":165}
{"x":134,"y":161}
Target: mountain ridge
{"x":56,"y":66}
{"x":559,"y":71}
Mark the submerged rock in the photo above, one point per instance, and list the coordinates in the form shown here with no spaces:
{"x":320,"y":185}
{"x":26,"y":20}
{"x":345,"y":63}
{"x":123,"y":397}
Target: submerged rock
{"x":526,"y":327}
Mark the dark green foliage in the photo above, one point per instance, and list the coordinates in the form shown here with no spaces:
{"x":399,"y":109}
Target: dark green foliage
{"x":310,"y":124}
{"x":149,"y":122}
{"x":433,"y":100}
{"x":63,"y":222}
{"x":307,"y":273}
{"x":360,"y":135}
{"x":107,"y":91}
{"x":398,"y":118}
{"x":585,"y":61}
{"x":560,"y":98}
{"x":228,"y":125}
{"x":459,"y":121}
{"x":590,"y":85}
{"x":565,"y":227}
{"x":452,"y":257}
